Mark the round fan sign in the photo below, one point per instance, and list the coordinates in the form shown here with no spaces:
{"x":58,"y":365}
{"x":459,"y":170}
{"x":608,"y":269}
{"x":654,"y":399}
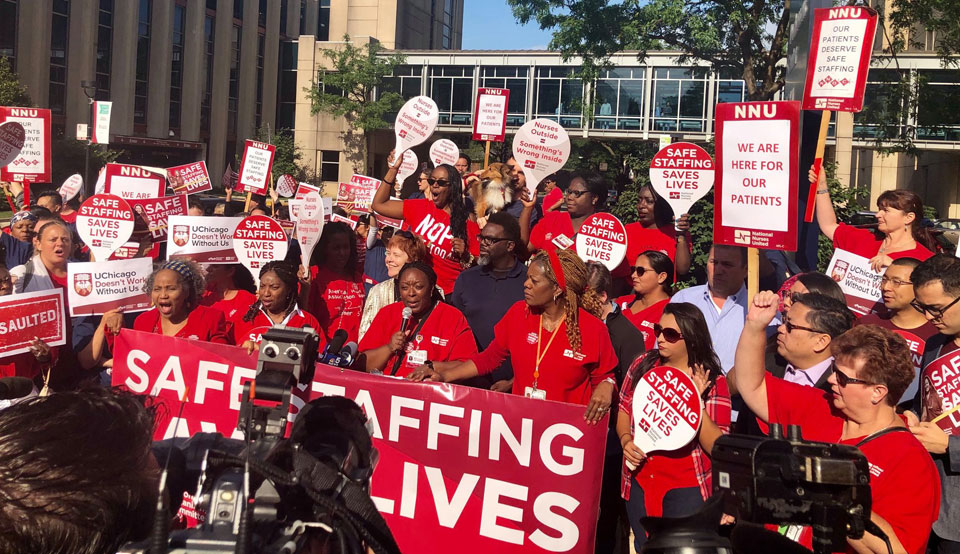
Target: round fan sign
{"x":444,"y":151}
{"x":681,"y":173}
{"x":12,"y":137}
{"x":409,"y":166}
{"x":415,"y":123}
{"x":666,"y":410}
{"x":541,"y":147}
{"x":70,"y":187}
{"x":104,"y":223}
{"x":602,"y":238}
{"x":286,"y":186}
{"x":259,"y":239}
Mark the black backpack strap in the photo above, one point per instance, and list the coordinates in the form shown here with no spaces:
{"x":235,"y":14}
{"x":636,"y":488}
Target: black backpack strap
{"x":881,"y":433}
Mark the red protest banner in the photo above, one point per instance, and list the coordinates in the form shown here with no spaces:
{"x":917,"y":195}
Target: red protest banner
{"x":490,"y":114}
{"x":357,"y":195}
{"x":156,"y":212}
{"x":132,"y":182}
{"x":486,"y":471}
{"x":30,"y":315}
{"x":33,"y":163}
{"x":755,"y":197}
{"x":255,"y":167}
{"x":602,"y":238}
{"x":839,"y":58}
{"x":189,"y":178}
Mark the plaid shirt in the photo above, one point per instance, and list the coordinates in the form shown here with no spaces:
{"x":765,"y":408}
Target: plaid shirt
{"x":718,"y":408}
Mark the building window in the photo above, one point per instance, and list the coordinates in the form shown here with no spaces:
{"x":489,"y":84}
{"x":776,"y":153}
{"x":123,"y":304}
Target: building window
{"x":451,"y":87}
{"x":262,"y":14}
{"x":208,"y":36}
{"x":446,"y":32}
{"x":259,"y":108}
{"x":559,"y":96}
{"x":287,"y":83}
{"x":104,"y":48}
{"x":679,"y":99}
{"x":405,"y":81}
{"x":514,"y":79}
{"x":323,"y":21}
{"x":238,"y":9}
{"x":234,"y":92}
{"x":176,"y":66}
{"x":8,"y":31}
{"x":303,"y":17}
{"x":329,"y":165}
{"x":284,"y":6}
{"x":143,"y":64}
{"x":619,"y":101}
{"x":58,"y":55}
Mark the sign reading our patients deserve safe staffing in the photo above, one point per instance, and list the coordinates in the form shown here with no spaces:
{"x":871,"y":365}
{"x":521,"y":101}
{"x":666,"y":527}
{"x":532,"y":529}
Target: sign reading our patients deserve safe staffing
{"x":666,"y":410}
{"x":415,"y":123}
{"x":104,"y":223}
{"x":132,"y":182}
{"x":755,"y":194}
{"x":31,"y":315}
{"x":681,"y":173}
{"x":95,"y":288}
{"x":839,"y":58}
{"x":203,"y":239}
{"x":255,"y":167}
{"x":602,"y":238}
{"x":490,"y":114}
{"x":33,"y":165}
{"x":259,"y":239}
{"x":541,"y":147}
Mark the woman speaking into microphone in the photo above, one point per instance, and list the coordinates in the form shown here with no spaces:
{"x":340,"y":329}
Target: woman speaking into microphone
{"x":559,"y":348}
{"x":419,"y":329}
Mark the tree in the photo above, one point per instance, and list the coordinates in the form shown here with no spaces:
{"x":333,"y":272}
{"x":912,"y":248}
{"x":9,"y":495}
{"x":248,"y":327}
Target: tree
{"x":744,"y":37}
{"x":287,"y":156}
{"x":12,"y":93}
{"x":347,"y":90}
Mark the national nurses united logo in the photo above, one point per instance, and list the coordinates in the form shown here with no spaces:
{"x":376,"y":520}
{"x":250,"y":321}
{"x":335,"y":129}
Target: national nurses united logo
{"x":181,"y":234}
{"x":83,"y":284}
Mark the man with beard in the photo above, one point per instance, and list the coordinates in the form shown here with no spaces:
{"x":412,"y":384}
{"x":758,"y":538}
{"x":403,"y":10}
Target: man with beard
{"x":486,"y":291}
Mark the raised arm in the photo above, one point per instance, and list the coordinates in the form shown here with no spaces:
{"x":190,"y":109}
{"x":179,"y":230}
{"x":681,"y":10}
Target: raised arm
{"x":682,"y":254}
{"x":382,"y":203}
{"x":748,"y":361}
{"x":826,"y":217}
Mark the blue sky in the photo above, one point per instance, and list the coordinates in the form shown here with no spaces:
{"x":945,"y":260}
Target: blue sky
{"x":490,"y":25}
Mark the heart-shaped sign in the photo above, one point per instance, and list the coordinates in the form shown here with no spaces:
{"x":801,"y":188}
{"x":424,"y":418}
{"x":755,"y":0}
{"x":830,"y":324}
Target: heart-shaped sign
{"x":666,"y":410}
{"x":541,"y":147}
{"x":410,"y":165}
{"x":681,"y":173}
{"x":70,"y":187}
{"x":286,"y":186}
{"x":444,"y":151}
{"x":104,"y":223}
{"x":12,"y":136}
{"x":415,"y":123}
{"x":602,"y":238}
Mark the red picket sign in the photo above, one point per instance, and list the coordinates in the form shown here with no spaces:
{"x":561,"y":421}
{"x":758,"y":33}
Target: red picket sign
{"x":33,"y":165}
{"x":30,"y":315}
{"x":255,"y":167}
{"x":839,"y":58}
{"x":486,"y":471}
{"x":189,"y":178}
{"x":257,"y":240}
{"x":132,"y":182}
{"x":157,"y":211}
{"x":490,"y":114}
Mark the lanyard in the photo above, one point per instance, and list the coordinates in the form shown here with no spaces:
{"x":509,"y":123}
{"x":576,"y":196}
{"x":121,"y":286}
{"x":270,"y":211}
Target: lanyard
{"x":540,"y":357}
{"x":403,"y":354}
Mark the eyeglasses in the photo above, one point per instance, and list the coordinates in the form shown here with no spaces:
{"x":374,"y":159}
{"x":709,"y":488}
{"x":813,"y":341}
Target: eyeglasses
{"x":842,"y":378}
{"x":669,"y":335}
{"x":790,"y":327}
{"x":896,"y":282}
{"x":439,"y":182}
{"x":639,"y":270}
{"x":576,"y":193}
{"x":936,"y":313}
{"x":490,"y":240}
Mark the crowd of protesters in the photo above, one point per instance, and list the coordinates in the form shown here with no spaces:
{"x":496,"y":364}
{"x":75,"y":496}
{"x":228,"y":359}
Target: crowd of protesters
{"x":502,"y":300}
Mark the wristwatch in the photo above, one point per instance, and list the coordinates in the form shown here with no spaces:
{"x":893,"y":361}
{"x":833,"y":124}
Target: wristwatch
{"x":429,"y":364}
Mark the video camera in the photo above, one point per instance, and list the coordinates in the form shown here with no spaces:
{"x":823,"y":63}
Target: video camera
{"x":273,"y":494}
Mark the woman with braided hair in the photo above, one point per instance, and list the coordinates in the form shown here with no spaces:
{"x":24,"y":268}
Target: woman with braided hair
{"x":276,"y":304}
{"x":174,"y":289}
{"x":559,"y":348}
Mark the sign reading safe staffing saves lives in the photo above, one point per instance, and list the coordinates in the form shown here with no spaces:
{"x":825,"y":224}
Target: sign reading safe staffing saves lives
{"x":257,"y":240}
{"x":681,"y":173}
{"x":602,"y":238}
{"x":666,"y":410}
{"x":839,"y":58}
{"x":755,"y":197}
{"x":104,"y":222}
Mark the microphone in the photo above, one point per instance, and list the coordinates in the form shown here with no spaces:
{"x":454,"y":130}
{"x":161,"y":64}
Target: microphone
{"x":349,"y":353}
{"x":336,"y":353}
{"x":12,"y":388}
{"x":407,"y":315}
{"x":336,"y":342}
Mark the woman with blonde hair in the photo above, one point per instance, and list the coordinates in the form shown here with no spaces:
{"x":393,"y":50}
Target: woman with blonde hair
{"x":559,"y":348}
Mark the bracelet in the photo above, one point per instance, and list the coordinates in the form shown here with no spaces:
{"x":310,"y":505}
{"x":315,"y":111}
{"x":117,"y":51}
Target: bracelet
{"x":394,"y":182}
{"x":823,"y":191}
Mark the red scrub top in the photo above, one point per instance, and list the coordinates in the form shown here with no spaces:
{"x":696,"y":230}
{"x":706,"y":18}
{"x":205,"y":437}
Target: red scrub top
{"x":863,"y":242}
{"x":337,"y":303}
{"x":644,"y":319}
{"x":565,"y":375}
{"x":433,"y":226}
{"x":545,"y":232}
{"x":231,"y":309}
{"x":254,"y":329}
{"x":203,"y":323}
{"x":552,"y":197}
{"x":662,"y":239}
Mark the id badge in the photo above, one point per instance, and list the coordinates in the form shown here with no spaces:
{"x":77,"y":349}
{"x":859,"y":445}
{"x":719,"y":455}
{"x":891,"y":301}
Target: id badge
{"x":562,"y":241}
{"x":417,"y":358}
{"x":538,"y":394}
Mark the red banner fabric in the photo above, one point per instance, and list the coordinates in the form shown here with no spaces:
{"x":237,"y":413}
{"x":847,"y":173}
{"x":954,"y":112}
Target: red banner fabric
{"x":484,"y":471}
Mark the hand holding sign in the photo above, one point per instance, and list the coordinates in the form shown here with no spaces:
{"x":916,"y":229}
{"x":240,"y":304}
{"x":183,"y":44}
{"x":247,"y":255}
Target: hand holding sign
{"x":444,"y":151}
{"x":681,"y":173}
{"x":541,"y":147}
{"x":104,"y":223}
{"x":666,"y":410}
{"x":415,"y":123}
{"x":12,"y":137}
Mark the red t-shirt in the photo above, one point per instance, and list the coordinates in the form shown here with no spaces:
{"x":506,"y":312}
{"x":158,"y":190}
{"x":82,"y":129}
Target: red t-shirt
{"x":252,"y":330}
{"x":337,"y":303}
{"x":662,"y":239}
{"x":70,"y":217}
{"x":232,"y":309}
{"x":553,"y":224}
{"x":916,"y":338}
{"x":552,"y":197}
{"x":565,"y":375}
{"x":903,"y":479}
{"x":644,"y":319}
{"x":433,"y":226}
{"x":203,"y":323}
{"x":863,"y":242}
{"x":445,"y":336}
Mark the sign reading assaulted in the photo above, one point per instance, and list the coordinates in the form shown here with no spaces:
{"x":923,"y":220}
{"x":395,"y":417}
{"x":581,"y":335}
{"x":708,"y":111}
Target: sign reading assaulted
{"x":31,"y":315}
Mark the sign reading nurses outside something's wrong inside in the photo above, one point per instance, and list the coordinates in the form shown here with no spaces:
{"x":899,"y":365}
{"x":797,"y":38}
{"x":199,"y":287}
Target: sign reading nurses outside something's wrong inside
{"x":755,"y":194}
{"x":541,"y":147}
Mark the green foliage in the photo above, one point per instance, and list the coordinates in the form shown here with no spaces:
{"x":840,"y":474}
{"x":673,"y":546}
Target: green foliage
{"x":942,"y":17}
{"x":12,"y":93}
{"x":846,"y":202}
{"x":287,"y":157}
{"x":68,"y":157}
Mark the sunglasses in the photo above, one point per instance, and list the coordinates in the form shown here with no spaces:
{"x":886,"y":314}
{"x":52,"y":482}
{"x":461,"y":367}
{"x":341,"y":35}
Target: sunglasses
{"x":576,"y":193}
{"x":669,"y":335}
{"x":790,"y":327}
{"x":439,"y":182}
{"x":639,"y":270}
{"x":490,"y":240}
{"x":936,"y":313}
{"x":842,"y":378}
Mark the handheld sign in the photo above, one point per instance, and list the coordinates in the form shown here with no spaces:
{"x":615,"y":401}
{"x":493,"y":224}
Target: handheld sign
{"x":203,"y":239}
{"x":839,"y":59}
{"x":71,"y":187}
{"x":132,"y":182}
{"x":681,"y":173}
{"x":858,"y":281}
{"x":490,"y":114}
{"x":255,"y":167}
{"x":34,"y":162}
{"x":410,"y":165}
{"x":104,"y":222}
{"x":286,"y":186}
{"x":602,"y":238}
{"x":357,"y":195}
{"x":309,"y":220}
{"x":189,"y":178}
{"x":541,"y":147}
{"x":305,"y":188}
{"x":415,"y":123}
{"x":95,"y":288}
{"x":444,"y":151}
{"x":755,"y":197}
{"x":259,"y":239}
{"x":940,"y":392}
{"x":30,"y":315}
{"x":157,"y":211}
{"x":12,"y":137}
{"x":666,"y":410}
